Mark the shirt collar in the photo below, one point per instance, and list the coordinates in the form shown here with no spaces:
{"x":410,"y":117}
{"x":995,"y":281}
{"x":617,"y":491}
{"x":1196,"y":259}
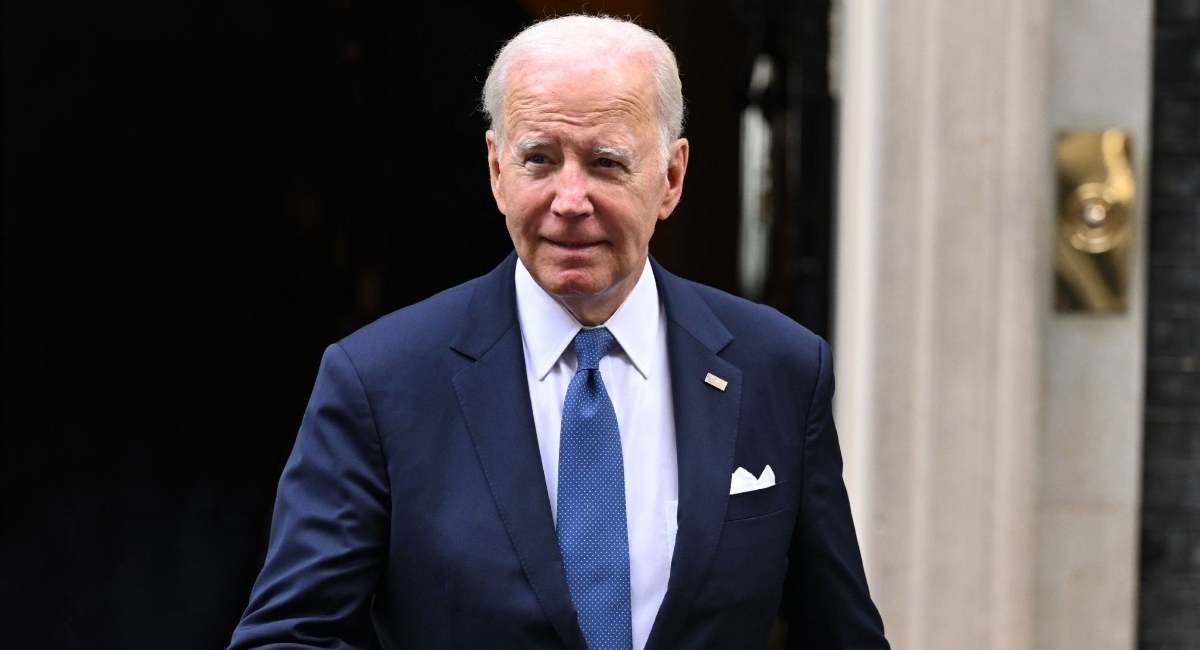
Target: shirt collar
{"x":548,"y":328}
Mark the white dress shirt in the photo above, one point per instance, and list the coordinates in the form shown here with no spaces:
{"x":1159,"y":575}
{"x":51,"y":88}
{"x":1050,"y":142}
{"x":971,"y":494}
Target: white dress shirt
{"x":638,"y":380}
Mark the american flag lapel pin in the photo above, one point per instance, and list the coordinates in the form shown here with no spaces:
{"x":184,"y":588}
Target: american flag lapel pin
{"x":715,"y":381}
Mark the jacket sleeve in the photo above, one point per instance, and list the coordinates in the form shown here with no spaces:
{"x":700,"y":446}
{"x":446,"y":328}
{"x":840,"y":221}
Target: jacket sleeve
{"x":329,"y":533}
{"x":826,"y":603}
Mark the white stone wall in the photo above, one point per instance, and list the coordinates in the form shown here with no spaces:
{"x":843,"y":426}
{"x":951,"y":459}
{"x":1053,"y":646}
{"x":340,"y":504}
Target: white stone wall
{"x":991,"y":445}
{"x":1091,"y":439}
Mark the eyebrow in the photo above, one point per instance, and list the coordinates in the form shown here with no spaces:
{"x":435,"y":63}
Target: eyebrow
{"x":533,"y":144}
{"x":624,"y":153}
{"x":525,"y":146}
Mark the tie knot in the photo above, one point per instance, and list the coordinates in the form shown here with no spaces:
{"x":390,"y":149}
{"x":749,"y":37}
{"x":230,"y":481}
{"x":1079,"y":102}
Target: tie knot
{"x":591,"y":345}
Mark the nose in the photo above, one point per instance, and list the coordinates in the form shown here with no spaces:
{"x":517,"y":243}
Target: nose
{"x":571,"y":192}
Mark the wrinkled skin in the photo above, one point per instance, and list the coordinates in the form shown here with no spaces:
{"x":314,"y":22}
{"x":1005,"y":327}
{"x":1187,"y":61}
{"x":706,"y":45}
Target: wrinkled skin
{"x":580,"y":177}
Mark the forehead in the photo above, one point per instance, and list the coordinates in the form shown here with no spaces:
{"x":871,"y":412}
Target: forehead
{"x":581,"y":95}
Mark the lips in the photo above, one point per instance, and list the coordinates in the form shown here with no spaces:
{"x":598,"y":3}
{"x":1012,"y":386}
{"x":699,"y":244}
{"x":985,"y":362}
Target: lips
{"x":572,"y":245}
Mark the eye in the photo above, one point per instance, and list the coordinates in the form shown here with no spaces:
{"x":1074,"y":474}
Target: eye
{"x":537,"y":159}
{"x":607,"y":163}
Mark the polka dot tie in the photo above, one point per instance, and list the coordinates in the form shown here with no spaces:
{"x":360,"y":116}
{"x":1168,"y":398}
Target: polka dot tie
{"x":591,"y":502}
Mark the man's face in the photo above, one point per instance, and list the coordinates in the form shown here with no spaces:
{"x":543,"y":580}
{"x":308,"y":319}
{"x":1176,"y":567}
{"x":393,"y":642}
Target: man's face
{"x":580,"y":177}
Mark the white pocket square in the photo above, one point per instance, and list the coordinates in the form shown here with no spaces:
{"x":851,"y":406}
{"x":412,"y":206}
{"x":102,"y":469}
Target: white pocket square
{"x":744,"y":481}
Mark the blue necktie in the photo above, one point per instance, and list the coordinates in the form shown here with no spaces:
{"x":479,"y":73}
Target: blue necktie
{"x":592,"y":533}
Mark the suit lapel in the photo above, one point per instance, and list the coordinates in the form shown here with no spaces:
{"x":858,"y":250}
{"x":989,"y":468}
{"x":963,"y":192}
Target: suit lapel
{"x":502,"y":429}
{"x":494,"y":396}
{"x":706,"y":421}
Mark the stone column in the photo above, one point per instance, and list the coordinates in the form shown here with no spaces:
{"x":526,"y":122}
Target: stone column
{"x":943,"y":250}
{"x":992,"y":446}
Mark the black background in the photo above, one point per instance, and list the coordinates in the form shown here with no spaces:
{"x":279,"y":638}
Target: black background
{"x":196,"y":200}
{"x":1169,"y":580}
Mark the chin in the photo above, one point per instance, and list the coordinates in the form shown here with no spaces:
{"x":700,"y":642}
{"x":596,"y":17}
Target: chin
{"x":574,"y":283}
{"x":576,"y":288}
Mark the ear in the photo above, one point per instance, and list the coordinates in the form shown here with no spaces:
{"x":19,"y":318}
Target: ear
{"x":493,"y":148}
{"x":676,"y":170}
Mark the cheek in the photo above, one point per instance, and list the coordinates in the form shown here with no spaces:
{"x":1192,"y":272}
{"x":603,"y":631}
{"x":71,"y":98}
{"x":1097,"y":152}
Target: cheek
{"x":643,"y":219}
{"x":525,"y":201}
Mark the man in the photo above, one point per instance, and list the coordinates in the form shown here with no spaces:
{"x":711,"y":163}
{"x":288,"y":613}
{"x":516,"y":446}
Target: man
{"x":579,"y":449}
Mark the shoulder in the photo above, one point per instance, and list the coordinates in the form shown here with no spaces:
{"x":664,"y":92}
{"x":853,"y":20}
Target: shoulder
{"x":413,"y":336}
{"x":761,"y":332}
{"x":751,"y":318}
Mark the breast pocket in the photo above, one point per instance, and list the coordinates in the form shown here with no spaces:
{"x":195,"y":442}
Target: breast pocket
{"x":746,"y":577}
{"x":757,"y":503}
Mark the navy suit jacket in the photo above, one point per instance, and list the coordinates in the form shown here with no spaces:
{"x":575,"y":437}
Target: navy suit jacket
{"x":414,"y":501}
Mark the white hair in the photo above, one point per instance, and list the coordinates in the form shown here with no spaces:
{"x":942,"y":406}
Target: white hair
{"x":593,"y":36}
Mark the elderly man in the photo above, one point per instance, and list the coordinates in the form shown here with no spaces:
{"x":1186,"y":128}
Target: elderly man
{"x":578,"y":449}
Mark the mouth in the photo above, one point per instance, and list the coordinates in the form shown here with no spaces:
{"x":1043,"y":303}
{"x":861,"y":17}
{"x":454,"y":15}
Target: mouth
{"x":570,"y":245}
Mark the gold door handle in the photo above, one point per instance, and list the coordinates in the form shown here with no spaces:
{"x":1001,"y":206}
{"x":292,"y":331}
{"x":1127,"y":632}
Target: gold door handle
{"x":1095,"y":198}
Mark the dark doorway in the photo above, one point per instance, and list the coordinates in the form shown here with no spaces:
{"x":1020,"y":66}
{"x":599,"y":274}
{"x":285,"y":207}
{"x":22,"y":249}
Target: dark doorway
{"x":198,"y":199}
{"x":718,"y":45}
